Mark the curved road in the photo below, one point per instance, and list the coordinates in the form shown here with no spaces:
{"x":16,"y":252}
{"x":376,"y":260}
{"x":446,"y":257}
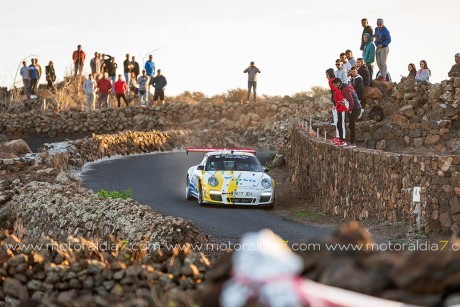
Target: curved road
{"x":158,"y":180}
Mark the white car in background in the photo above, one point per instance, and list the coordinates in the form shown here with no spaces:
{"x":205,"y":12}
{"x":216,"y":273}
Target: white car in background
{"x":230,"y":177}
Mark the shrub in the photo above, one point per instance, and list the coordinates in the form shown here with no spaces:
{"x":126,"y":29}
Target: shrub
{"x":128,"y":193}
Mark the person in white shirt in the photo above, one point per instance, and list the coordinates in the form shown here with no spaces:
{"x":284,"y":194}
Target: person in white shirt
{"x":90,"y":87}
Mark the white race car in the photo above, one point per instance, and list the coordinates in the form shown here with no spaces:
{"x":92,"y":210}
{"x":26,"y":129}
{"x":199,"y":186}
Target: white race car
{"x":230,"y":177}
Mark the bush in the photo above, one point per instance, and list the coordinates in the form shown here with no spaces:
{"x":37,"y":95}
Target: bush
{"x":128,"y":193}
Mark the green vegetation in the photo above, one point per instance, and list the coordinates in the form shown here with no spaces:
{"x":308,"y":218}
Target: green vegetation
{"x":311,"y":216}
{"x":128,"y":193}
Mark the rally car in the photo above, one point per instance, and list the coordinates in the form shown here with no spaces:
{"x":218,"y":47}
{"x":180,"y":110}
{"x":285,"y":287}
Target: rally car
{"x":230,"y":177}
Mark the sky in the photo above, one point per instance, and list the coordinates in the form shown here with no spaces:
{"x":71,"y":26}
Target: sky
{"x":204,"y":45}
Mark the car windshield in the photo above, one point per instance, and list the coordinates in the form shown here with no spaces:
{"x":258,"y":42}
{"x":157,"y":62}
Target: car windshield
{"x":230,"y":162}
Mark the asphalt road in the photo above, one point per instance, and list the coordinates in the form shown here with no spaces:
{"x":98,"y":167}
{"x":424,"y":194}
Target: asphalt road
{"x":158,"y":180}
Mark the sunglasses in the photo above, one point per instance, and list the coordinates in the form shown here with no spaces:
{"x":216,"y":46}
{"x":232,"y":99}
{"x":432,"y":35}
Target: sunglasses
{"x":337,"y":64}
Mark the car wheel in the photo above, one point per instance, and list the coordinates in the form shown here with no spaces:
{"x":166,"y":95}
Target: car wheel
{"x":187,"y":190}
{"x":200,"y":195}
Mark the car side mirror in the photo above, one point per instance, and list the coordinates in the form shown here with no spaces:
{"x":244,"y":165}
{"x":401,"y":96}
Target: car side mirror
{"x":265,"y":169}
{"x":200,"y":167}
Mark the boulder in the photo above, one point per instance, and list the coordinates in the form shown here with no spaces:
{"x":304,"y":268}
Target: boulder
{"x":457,"y":82}
{"x":372,"y":93}
{"x":400,"y":119}
{"x":385,"y":87}
{"x":19,"y":146}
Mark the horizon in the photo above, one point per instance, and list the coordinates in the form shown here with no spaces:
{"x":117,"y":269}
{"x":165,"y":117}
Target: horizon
{"x":205,"y":46}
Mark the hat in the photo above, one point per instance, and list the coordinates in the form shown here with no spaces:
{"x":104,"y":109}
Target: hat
{"x":457,"y":55}
{"x":380,"y":20}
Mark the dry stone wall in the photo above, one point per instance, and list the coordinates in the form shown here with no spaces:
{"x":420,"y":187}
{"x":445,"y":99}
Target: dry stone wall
{"x":360,"y":183}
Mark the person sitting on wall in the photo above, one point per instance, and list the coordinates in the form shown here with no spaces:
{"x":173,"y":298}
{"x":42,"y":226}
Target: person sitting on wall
{"x":424,"y":73}
{"x":455,"y":70}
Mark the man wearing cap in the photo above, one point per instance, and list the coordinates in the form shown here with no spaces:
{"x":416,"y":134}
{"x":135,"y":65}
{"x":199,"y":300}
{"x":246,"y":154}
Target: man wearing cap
{"x":455,"y":70}
{"x":252,"y":72}
{"x":78,"y":58}
{"x":382,"y":40}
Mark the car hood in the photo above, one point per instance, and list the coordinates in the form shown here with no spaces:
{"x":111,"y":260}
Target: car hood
{"x":237,"y":179}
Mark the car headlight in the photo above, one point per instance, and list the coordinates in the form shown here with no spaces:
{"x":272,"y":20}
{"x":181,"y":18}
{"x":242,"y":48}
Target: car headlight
{"x":212,"y":181}
{"x":266,"y":183}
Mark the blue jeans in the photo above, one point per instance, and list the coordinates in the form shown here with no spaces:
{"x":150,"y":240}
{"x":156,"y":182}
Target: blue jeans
{"x":127,"y":77}
{"x":143,"y":95}
{"x":112,"y":79}
{"x":253,"y":85}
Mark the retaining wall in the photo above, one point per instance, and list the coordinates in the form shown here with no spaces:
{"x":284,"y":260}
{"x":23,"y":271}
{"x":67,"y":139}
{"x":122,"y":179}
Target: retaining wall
{"x":360,"y":183}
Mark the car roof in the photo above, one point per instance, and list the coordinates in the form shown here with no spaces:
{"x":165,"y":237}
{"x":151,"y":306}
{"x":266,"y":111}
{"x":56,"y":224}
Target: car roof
{"x":240,"y":153}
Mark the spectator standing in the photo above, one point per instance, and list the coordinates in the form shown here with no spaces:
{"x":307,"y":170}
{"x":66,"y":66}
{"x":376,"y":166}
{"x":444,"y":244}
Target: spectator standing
{"x":357,"y":82}
{"x":412,"y":71}
{"x":150,"y":67}
{"x":369,"y":54}
{"x":341,"y":106}
{"x":78,"y":58}
{"x":330,"y":76}
{"x":424,"y":73}
{"x":363,"y":72}
{"x":252,"y":72}
{"x":135,"y":69}
{"x":95,"y":65}
{"x":350,"y":58}
{"x":133,"y":85}
{"x":127,"y":68}
{"x":34,"y":76}
{"x":102,"y":63}
{"x":345,"y":63}
{"x":341,"y":72}
{"x":90,"y":87}
{"x":120,"y":90}
{"x":25,"y":79}
{"x":50,"y":76}
{"x":455,"y":70}
{"x":104,"y":86}
{"x":144,"y":82}
{"x":354,"y":109}
{"x":159,"y":83}
{"x":112,"y":69}
{"x":366,"y":29}
{"x":382,"y":42}
{"x":39,"y":68}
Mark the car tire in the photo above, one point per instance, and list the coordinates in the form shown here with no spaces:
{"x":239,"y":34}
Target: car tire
{"x":200,"y":197}
{"x":187,"y":191}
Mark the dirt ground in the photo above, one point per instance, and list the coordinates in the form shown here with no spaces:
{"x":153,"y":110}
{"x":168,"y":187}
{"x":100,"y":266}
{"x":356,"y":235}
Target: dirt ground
{"x":291,"y":204}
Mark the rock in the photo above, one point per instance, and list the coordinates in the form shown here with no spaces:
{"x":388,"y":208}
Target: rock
{"x":372,"y":93}
{"x":432,"y":139}
{"x":407,"y":111}
{"x":400,"y":119}
{"x":15,"y":289}
{"x":16,"y":260}
{"x":19,"y":146}
{"x":279,"y":161}
{"x":456,"y":82}
{"x":62,"y":177}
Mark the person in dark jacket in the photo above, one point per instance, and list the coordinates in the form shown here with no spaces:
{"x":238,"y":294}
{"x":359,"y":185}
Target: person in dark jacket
{"x":159,"y":83}
{"x":367,"y":29}
{"x":354,"y":110}
{"x":112,"y":69}
{"x":34,"y":75}
{"x":363,"y":72}
{"x":127,"y":68}
{"x":455,"y":70}
{"x":357,"y":82}
{"x":50,"y":76}
{"x":135,"y":69}
{"x":330,"y":76}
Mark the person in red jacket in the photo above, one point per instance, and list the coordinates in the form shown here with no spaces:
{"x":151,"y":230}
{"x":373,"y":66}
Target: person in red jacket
{"x":341,"y":106}
{"x":120,"y":90}
{"x":78,"y":58}
{"x":104,"y":86}
{"x":354,"y":109}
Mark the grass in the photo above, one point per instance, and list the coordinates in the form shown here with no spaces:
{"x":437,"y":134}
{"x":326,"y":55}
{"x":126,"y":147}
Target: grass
{"x":311,"y":216}
{"x":125,"y":194}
